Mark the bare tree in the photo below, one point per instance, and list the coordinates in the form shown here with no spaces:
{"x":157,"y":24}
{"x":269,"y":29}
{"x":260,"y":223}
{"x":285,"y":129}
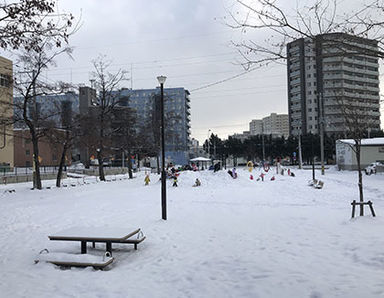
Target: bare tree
{"x":27,"y":23}
{"x":319,"y":22}
{"x":124,"y":138}
{"x":107,"y":85}
{"x":280,"y":24}
{"x":63,"y":132}
{"x":356,"y":126}
{"x":29,"y":85}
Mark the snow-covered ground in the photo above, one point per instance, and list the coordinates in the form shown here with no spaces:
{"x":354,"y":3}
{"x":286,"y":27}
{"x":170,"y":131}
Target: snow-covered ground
{"x":227,"y":238}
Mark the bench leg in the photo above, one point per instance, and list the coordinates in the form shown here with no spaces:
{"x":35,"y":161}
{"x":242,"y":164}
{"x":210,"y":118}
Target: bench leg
{"x":371,"y":207}
{"x":109,"y":247}
{"x":93,"y":244}
{"x":135,"y":246}
{"x":83,"y":247}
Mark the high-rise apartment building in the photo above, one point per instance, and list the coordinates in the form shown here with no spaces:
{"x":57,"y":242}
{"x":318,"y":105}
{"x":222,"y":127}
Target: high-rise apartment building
{"x":274,"y":124}
{"x":6,"y":111}
{"x":256,"y":127}
{"x":177,"y":112}
{"x":327,"y":71}
{"x":146,"y":105}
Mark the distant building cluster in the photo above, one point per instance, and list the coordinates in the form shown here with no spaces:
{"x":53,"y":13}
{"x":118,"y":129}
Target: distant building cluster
{"x":275,"y":124}
{"x":16,"y":149}
{"x":324,"y":74}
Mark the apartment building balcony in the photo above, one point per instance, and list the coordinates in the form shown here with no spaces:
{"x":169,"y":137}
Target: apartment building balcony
{"x":294,"y":73}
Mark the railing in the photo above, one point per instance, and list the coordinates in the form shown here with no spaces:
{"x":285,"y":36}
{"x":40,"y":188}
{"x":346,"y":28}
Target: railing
{"x":22,"y":171}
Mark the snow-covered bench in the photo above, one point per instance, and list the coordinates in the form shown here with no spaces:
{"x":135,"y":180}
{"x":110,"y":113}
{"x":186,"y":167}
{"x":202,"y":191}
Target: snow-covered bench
{"x":74,"y":260}
{"x":103,"y":235}
{"x":319,"y":184}
{"x":316,"y":183}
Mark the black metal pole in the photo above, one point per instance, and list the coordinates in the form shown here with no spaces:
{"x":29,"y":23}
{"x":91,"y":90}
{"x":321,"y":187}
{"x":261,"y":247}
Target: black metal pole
{"x":163,"y":182}
{"x":313,"y":158}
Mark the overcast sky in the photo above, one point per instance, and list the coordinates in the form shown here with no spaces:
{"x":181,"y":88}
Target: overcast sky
{"x":188,"y":42}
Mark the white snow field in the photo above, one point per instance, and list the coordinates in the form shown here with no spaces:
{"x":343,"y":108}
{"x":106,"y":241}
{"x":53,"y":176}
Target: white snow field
{"x":227,"y":238}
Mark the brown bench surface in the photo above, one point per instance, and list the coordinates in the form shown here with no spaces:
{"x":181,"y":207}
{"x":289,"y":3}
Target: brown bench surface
{"x":95,"y":234}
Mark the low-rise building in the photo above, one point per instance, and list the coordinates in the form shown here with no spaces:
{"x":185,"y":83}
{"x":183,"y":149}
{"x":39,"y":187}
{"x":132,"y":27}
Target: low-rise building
{"x":49,"y":153}
{"x":6,"y":112}
{"x":372,"y":150}
{"x":241,"y":136}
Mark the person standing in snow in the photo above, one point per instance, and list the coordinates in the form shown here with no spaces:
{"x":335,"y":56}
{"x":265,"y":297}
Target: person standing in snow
{"x":174,"y":181}
{"x":234,"y":174}
{"x":147,"y":179}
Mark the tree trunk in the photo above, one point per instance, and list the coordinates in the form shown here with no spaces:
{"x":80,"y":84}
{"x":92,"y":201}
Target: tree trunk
{"x":130,"y":166}
{"x":358,"y":153}
{"x":61,"y":165}
{"x":37,"y":176}
{"x":138,"y":162}
{"x":101,"y":166}
{"x":158,"y":164}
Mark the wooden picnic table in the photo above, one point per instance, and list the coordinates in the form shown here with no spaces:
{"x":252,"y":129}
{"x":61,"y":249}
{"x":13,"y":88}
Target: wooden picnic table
{"x":103,"y":235}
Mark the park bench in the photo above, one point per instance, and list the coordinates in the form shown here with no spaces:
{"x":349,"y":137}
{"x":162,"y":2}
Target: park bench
{"x":74,"y":260}
{"x":100,"y":235}
{"x":319,"y":184}
{"x":316,"y":183}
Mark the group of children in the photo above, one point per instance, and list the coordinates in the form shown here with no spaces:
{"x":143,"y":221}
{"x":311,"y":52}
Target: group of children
{"x":174,"y":177}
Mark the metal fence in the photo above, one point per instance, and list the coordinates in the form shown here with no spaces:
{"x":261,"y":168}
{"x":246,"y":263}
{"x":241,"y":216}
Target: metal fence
{"x":22,"y":171}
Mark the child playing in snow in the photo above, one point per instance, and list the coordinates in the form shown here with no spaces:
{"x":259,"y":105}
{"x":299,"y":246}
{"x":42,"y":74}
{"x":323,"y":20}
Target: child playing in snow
{"x":146,"y":179}
{"x":197,"y":182}
{"x":234,"y":174}
{"x":174,"y":181}
{"x":262,"y":176}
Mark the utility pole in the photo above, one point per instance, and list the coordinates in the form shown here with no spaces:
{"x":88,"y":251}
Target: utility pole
{"x":321,"y":132}
{"x":262,"y":141}
{"x":320,"y":91}
{"x":300,"y":154}
{"x":34,"y":174}
{"x":209,"y":153}
{"x":161,"y":80}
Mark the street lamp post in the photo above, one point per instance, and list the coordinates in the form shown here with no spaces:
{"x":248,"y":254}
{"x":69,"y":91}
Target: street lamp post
{"x":209,"y":153}
{"x":161,"y":80}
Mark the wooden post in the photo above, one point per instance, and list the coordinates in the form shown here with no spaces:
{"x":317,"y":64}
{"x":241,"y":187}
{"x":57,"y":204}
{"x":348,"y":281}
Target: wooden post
{"x":83,"y":247}
{"x":353,"y":208}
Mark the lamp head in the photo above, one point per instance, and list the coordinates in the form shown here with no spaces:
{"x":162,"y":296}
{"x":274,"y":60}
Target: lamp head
{"x":161,"y":79}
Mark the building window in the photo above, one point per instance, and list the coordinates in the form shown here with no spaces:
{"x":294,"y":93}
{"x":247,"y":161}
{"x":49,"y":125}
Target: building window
{"x":27,"y":152}
{"x":5,"y":80}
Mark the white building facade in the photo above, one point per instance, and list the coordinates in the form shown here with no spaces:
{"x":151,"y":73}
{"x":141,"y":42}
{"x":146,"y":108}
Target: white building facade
{"x":372,"y":150}
{"x":325,"y":71}
{"x":274,"y":124}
